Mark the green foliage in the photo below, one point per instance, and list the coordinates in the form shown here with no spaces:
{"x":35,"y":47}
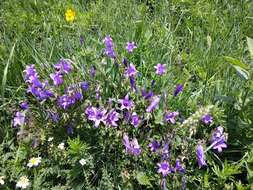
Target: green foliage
{"x":194,"y":38}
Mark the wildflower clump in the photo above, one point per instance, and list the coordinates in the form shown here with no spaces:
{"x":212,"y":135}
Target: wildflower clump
{"x":129,"y":119}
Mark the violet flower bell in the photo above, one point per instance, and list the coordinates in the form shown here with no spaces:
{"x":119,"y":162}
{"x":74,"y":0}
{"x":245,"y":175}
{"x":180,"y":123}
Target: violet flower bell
{"x":135,"y":121}
{"x":154,"y":145}
{"x":200,"y":156}
{"x":130,"y":47}
{"x":126,"y":103}
{"x":171,"y":117}
{"x":132,"y":147}
{"x":207,"y":119}
{"x":164,"y":168}
{"x":218,"y":140}
{"x":154,"y":103}
{"x":96,"y":115}
{"x":19,"y":119}
{"x":160,"y":69}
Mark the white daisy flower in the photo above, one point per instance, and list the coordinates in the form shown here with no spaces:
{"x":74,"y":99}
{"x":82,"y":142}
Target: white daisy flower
{"x":82,"y":162}
{"x":2,"y":180}
{"x":50,"y":139}
{"x":61,"y":146}
{"x":23,"y":182}
{"x":34,"y":162}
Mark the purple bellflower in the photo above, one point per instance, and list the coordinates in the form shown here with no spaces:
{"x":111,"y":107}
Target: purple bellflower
{"x":109,"y":47}
{"x":154,"y":145}
{"x":160,"y":69}
{"x":200,"y":156}
{"x":35,"y":87}
{"x":19,"y":119}
{"x":171,"y":117}
{"x":96,"y":115}
{"x":132,"y":147}
{"x":57,"y":79}
{"x":130,"y":47}
{"x":63,"y":66}
{"x":92,"y":71}
{"x":130,"y":70}
{"x":218,"y":140}
{"x":24,"y":105}
{"x":179,"y":88}
{"x":71,"y":96}
{"x":135,"y":121}
{"x":146,"y":95}
{"x":111,"y":118}
{"x":81,"y":40}
{"x":126,"y":103}
{"x":207,"y":119}
{"x":178,"y":167}
{"x":164,"y":168}
{"x":85,"y":85}
{"x":154,"y":103}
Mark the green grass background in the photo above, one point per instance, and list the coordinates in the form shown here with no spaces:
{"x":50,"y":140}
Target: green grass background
{"x":194,"y":34}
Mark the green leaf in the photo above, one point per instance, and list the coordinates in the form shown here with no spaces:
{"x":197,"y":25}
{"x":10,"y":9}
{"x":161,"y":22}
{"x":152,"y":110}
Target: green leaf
{"x":4,"y":79}
{"x":250,"y":46}
{"x":242,"y":72}
{"x":159,"y":117}
{"x":143,"y":179}
{"x":239,"y":66}
{"x":235,"y":62}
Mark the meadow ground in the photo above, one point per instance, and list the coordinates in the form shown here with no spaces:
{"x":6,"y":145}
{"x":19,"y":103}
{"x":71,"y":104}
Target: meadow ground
{"x":206,"y":47}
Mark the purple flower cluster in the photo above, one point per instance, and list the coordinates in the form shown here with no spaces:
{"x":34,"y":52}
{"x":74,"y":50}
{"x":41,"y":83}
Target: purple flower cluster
{"x":207,"y":119}
{"x":71,"y":96}
{"x":132,"y":146}
{"x":147,"y":95}
{"x":109,"y":47}
{"x":125,"y":108}
{"x":111,"y":118}
{"x":130,"y":70}
{"x":98,"y":115}
{"x":37,"y":88}
{"x":164,"y":168}
{"x":61,"y":68}
{"x":218,"y":140}
{"x":171,"y":117}
{"x":154,"y":145}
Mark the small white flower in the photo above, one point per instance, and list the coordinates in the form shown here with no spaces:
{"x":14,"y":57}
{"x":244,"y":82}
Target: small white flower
{"x":50,"y":139}
{"x":23,"y":182}
{"x":2,"y":180}
{"x":61,"y":146}
{"x":82,"y":162}
{"x":34,"y":162}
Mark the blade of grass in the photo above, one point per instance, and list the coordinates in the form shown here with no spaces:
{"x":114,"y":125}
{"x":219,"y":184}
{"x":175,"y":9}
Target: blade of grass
{"x":6,"y":71}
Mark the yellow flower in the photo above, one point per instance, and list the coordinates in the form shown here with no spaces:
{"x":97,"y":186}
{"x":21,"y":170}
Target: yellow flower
{"x":70,"y":15}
